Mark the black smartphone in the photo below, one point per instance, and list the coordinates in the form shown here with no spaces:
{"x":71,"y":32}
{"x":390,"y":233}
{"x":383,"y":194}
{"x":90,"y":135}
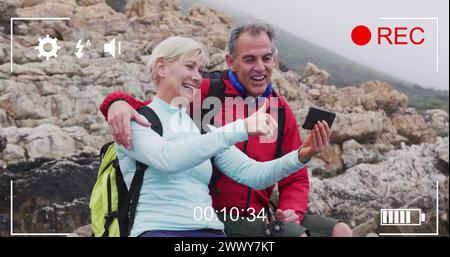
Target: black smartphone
{"x":315,"y":115}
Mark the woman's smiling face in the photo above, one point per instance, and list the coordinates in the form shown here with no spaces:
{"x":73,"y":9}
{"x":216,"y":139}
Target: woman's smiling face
{"x":184,"y":77}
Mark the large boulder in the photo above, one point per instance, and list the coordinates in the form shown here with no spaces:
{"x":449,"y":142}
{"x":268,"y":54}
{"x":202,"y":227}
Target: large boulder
{"x":378,"y":95}
{"x":33,"y":8}
{"x":165,"y":9}
{"x":328,"y":163}
{"x":413,"y":127}
{"x":89,"y":2}
{"x":13,"y":154}
{"x":22,"y":101}
{"x":362,"y":127}
{"x":438,"y":120}
{"x":314,"y":75}
{"x":48,"y":141}
{"x":370,"y":96}
{"x":283,"y":87}
{"x":354,"y":153}
{"x":203,"y":16}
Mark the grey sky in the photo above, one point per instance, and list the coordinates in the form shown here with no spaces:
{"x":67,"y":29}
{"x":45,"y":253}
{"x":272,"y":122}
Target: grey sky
{"x":329,"y":24}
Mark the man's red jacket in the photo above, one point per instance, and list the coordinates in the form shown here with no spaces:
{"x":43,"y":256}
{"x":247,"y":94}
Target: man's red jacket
{"x":293,"y":189}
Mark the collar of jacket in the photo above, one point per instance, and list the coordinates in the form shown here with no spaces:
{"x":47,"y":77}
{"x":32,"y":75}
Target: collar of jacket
{"x":241,"y":89}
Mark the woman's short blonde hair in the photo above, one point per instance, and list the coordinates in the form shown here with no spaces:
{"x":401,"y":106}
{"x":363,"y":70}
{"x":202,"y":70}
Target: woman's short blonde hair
{"x":173,"y":49}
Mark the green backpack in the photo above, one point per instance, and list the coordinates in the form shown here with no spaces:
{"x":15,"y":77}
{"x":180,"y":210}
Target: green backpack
{"x":112,"y":205}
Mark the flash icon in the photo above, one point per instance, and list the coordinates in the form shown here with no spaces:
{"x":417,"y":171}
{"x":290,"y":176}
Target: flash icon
{"x":79,"y":53}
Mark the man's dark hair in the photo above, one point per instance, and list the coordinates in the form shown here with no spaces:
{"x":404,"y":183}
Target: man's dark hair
{"x":255,"y":28}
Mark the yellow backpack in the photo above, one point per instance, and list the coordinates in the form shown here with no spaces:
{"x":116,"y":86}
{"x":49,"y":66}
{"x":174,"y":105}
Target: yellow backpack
{"x":112,"y":205}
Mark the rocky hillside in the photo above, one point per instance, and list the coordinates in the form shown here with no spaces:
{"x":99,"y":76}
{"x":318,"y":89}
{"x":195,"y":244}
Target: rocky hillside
{"x":383,"y":154}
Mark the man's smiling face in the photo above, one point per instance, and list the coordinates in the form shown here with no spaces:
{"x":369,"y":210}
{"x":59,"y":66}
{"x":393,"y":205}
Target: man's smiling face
{"x":253,"y":63}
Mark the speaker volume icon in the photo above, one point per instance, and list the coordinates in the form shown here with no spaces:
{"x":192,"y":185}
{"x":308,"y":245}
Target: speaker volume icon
{"x":111,"y":48}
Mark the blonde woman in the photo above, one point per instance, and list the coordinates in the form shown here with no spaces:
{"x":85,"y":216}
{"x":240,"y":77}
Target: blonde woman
{"x":175,"y":187}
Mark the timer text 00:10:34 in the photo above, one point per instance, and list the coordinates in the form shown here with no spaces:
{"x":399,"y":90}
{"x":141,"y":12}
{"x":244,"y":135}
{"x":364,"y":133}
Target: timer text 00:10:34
{"x":234,"y":214}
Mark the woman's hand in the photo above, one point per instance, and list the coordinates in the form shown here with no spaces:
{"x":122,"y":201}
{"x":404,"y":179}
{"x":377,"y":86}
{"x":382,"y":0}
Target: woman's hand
{"x":120,"y":114}
{"x":260,"y":123}
{"x":317,"y":141}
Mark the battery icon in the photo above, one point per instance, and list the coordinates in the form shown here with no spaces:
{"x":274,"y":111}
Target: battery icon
{"x":405,"y":217}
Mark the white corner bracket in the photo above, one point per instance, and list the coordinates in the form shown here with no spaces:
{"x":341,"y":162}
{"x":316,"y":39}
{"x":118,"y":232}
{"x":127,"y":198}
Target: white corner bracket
{"x":386,"y":214}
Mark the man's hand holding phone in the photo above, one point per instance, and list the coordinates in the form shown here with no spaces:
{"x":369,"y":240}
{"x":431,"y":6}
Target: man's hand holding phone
{"x":319,"y":122}
{"x":317,"y":141}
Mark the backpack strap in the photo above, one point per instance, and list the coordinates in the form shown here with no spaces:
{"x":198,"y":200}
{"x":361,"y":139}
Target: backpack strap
{"x":214,"y":74}
{"x":280,"y":129}
{"x":271,"y":207}
{"x":216,"y":89}
{"x":110,"y":215}
{"x":134,"y":192}
{"x":151,"y":117}
{"x":132,"y":199}
{"x":104,"y":149}
{"x":280,"y":133}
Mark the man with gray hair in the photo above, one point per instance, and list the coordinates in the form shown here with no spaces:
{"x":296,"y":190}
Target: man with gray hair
{"x":251,"y":59}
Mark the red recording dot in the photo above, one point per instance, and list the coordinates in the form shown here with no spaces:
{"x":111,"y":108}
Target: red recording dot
{"x":361,"y":35}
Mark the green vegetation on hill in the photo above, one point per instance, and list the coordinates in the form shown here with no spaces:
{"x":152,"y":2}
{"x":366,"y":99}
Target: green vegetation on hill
{"x":436,"y":102}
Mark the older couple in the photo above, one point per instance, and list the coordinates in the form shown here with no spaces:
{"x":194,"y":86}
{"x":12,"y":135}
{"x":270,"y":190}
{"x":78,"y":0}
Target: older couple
{"x":181,"y":162}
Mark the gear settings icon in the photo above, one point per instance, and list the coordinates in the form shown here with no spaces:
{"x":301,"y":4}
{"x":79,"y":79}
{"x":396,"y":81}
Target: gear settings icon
{"x":46,"y":52}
